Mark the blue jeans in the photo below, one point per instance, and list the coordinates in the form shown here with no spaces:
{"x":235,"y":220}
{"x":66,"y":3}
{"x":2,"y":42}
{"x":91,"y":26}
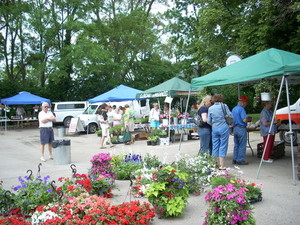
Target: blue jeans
{"x":205,"y":139}
{"x":220,"y":136}
{"x":240,"y":141}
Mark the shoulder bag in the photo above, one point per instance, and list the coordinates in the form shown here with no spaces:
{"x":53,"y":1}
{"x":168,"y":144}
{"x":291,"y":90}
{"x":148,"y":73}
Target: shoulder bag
{"x":228,"y":119}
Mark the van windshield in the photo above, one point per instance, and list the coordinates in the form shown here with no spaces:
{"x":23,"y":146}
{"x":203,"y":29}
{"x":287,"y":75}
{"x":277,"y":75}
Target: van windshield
{"x":92,"y":109}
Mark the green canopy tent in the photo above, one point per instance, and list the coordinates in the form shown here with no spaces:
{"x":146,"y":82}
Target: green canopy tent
{"x":269,"y":63}
{"x":170,"y":88}
{"x":272,"y":63}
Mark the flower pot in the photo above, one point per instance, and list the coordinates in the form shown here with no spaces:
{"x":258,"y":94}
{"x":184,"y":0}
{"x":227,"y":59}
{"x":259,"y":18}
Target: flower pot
{"x":149,"y":143}
{"x":165,"y":122}
{"x":183,"y":122}
{"x":254,"y":200}
{"x":175,"y":120}
{"x":154,"y":143}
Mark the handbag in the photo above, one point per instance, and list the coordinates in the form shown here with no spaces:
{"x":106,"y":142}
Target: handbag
{"x":198,"y":120}
{"x":228,"y":119}
{"x":126,"y":135}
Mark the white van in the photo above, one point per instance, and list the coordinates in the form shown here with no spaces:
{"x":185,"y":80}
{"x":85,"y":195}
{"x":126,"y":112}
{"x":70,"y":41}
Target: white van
{"x":65,"y":111}
{"x":89,"y":116}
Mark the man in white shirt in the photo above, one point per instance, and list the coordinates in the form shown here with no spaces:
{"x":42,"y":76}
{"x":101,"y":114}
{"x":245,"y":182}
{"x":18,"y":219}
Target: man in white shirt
{"x":46,"y":119}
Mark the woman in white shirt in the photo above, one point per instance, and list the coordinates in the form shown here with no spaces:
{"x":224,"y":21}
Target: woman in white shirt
{"x":154,"y":116}
{"x":117,"y":117}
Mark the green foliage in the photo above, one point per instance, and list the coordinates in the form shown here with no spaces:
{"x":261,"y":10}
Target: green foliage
{"x":153,"y":138}
{"x":31,"y":193}
{"x":216,"y":181}
{"x":168,"y":192}
{"x":151,"y":161}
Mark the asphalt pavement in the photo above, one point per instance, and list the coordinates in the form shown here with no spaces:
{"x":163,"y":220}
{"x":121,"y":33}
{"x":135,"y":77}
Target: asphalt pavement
{"x":19,"y":151}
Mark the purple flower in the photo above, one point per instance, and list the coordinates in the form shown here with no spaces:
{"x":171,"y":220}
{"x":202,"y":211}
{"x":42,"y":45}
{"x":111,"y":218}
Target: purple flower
{"x":46,"y":178}
{"x":49,"y":190}
{"x":17,"y":188}
{"x":180,"y":186}
{"x":37,"y":192}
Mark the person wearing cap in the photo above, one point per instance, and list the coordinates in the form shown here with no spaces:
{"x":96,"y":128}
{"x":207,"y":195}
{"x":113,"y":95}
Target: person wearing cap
{"x":46,"y":119}
{"x":240,"y":120}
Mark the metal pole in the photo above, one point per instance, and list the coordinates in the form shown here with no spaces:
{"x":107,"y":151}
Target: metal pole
{"x":269,"y":132}
{"x":290,"y":133}
{"x":186,"y":108}
{"x":239,"y":91}
{"x":5,"y":119}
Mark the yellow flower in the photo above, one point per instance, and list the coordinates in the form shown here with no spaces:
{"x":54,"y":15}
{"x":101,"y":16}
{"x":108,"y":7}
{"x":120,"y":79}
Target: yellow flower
{"x":232,"y":181}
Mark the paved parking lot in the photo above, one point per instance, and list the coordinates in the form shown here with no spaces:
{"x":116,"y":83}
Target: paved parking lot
{"x":19,"y":151}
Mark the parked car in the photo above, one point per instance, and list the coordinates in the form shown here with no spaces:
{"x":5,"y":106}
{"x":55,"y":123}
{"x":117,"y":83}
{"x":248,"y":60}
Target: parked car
{"x":65,"y":111}
{"x":282,"y":114}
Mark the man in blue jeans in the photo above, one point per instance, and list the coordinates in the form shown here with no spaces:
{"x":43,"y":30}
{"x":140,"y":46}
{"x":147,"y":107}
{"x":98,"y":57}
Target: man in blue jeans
{"x":240,"y":120}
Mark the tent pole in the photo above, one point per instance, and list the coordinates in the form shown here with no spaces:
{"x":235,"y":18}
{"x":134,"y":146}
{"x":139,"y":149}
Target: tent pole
{"x":169,"y":130}
{"x":239,"y":91}
{"x":290,"y":133}
{"x":5,"y":119}
{"x":186,"y":108}
{"x":269,"y":132}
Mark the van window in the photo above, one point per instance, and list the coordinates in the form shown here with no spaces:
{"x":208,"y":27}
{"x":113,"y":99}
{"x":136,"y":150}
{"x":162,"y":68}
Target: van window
{"x":71,"y":106}
{"x":92,"y":109}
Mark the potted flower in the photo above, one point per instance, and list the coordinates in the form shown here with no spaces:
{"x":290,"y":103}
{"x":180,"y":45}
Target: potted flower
{"x":153,"y":139}
{"x":165,"y":119}
{"x":183,"y":118}
{"x":163,"y":134}
{"x":168,"y":192}
{"x":228,"y":204}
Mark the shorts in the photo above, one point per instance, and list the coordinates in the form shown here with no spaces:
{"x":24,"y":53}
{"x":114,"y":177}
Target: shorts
{"x":154,"y":123}
{"x":105,"y":130}
{"x":46,"y":135}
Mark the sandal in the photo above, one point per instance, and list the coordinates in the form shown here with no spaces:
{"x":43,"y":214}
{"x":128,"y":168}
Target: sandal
{"x":112,"y":146}
{"x":102,"y":147}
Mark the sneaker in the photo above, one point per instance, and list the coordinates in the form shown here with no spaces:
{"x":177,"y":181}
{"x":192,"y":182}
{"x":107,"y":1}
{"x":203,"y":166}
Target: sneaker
{"x":242,"y":163}
{"x":268,"y":161}
{"x":51,"y":158}
{"x":43,"y":159}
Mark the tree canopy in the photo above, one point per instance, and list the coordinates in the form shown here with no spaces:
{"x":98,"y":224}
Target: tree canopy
{"x":77,"y":49}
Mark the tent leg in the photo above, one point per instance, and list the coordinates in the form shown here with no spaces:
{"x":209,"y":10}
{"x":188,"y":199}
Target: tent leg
{"x":239,"y":90}
{"x":290,"y":133}
{"x":5,"y":120}
{"x":269,"y":132}
{"x":186,"y":108}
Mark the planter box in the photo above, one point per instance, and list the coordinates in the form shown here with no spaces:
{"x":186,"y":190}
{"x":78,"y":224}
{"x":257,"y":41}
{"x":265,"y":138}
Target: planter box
{"x":141,"y":136}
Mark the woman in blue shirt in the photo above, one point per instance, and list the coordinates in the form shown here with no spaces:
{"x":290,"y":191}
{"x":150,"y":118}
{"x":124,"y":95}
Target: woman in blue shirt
{"x":266,"y":116}
{"x":220,"y":129}
{"x":204,"y":131}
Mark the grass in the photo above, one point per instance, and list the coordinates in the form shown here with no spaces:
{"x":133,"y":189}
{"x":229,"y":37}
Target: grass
{"x":255,"y":117}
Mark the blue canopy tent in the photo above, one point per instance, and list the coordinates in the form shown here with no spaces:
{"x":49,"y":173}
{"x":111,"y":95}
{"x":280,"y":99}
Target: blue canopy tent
{"x":24,"y":98}
{"x":117,"y":94}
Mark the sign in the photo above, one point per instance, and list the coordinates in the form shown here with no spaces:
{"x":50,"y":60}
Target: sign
{"x":168,"y":100}
{"x":75,"y":125}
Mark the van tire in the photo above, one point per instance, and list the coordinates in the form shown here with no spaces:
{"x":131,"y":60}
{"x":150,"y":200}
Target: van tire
{"x":286,"y":138}
{"x":92,"y":128}
{"x":67,"y":121}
